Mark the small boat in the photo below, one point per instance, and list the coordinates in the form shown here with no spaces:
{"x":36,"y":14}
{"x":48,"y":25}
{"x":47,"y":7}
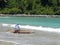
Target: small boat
{"x":21,"y":31}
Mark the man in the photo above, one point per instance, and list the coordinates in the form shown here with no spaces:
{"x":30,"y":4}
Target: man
{"x":17,"y":28}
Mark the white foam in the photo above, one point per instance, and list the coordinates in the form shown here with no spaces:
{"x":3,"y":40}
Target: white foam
{"x":9,"y":41}
{"x":15,"y":43}
{"x":36,"y":28}
{"x":4,"y":24}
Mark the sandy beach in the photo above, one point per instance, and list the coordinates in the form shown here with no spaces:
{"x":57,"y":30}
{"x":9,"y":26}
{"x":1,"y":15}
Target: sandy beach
{"x":5,"y":43}
{"x":36,"y":38}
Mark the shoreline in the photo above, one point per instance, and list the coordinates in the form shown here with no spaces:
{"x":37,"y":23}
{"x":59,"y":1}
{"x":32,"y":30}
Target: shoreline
{"x":25,"y":15}
{"x":29,"y":39}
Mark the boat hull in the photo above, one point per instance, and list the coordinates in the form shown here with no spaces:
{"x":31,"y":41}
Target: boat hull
{"x":21,"y":31}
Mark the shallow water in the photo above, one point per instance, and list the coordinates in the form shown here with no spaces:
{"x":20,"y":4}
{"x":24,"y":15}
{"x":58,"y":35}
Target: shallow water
{"x":34,"y":21}
{"x":37,"y":38}
{"x":44,"y":34}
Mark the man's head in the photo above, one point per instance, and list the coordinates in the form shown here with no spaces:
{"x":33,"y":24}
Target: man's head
{"x":17,"y":24}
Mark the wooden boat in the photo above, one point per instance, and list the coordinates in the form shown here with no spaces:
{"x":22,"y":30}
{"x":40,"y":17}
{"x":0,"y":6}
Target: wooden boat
{"x":21,"y":31}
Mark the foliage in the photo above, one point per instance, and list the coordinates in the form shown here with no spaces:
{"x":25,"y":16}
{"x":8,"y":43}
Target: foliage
{"x":47,"y":7}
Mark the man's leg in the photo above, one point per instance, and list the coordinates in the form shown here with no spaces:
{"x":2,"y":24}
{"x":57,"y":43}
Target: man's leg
{"x":16,"y":31}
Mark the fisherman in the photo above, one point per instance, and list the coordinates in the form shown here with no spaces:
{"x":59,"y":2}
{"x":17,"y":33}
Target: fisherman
{"x":17,"y":28}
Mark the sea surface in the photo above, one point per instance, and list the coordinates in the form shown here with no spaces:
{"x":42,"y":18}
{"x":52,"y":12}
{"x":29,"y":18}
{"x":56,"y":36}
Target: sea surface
{"x":46,"y":31}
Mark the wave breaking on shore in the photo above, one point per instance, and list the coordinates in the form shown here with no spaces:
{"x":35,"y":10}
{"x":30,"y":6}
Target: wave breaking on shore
{"x":41,"y":28}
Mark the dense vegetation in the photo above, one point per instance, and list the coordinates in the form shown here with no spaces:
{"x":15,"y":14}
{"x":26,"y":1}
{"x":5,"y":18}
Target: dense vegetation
{"x":51,"y":7}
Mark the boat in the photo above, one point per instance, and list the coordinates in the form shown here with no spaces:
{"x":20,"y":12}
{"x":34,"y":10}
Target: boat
{"x":21,"y":31}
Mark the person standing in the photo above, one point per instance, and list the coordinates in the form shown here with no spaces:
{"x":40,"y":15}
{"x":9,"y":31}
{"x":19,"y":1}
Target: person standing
{"x":17,"y":28}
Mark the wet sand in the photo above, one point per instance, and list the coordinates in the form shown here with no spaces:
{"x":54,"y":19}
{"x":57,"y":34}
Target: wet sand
{"x":36,"y":38}
{"x":5,"y":43}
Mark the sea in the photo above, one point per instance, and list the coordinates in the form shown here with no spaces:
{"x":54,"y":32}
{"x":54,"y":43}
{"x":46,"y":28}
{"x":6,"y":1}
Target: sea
{"x":46,"y":31}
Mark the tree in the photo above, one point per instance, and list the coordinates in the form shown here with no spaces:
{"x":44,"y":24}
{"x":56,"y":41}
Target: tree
{"x":3,"y":3}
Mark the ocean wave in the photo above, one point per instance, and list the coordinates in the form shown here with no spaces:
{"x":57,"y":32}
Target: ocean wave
{"x":49,"y":29}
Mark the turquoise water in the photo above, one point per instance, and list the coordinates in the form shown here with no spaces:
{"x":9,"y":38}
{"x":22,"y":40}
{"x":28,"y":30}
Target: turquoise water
{"x":34,"y":21}
{"x":41,"y":36}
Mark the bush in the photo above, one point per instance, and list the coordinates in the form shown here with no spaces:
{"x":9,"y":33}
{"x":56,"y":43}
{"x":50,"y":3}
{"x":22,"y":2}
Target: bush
{"x":10,"y":11}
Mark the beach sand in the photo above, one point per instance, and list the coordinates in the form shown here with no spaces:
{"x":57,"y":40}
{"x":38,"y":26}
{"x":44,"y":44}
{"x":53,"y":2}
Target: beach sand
{"x":36,"y":38}
{"x":5,"y":43}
